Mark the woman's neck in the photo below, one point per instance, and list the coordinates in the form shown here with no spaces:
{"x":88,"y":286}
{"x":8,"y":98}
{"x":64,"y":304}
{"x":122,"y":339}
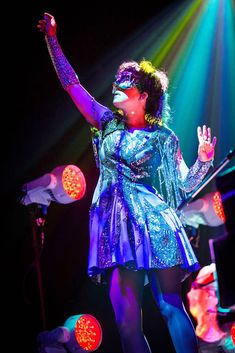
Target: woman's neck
{"x":135,"y":121}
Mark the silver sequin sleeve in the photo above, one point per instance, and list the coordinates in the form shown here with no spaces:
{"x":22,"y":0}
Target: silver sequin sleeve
{"x":189,"y":178}
{"x":64,"y":70}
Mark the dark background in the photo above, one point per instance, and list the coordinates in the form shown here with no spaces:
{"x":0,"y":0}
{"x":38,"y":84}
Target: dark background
{"x":44,"y":130}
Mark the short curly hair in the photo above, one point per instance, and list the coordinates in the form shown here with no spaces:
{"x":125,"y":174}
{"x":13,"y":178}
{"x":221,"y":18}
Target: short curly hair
{"x":155,"y":82}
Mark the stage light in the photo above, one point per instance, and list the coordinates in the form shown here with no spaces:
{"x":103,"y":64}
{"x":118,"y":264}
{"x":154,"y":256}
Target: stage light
{"x":233,"y":333}
{"x":203,"y":305}
{"x":80,"y":333}
{"x":207,"y":210}
{"x":86,"y":333}
{"x":65,"y":184}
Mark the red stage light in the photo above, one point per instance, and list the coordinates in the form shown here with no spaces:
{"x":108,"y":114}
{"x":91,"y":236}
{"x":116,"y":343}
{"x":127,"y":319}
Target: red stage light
{"x":65,"y":184}
{"x":207,"y":210}
{"x":233,"y":333}
{"x":73,"y":182}
{"x":79,"y":333}
{"x":86,"y":333}
{"x":218,"y":206}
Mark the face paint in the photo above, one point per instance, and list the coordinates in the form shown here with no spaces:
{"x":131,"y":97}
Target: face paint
{"x":124,"y":81}
{"x":119,"y":96}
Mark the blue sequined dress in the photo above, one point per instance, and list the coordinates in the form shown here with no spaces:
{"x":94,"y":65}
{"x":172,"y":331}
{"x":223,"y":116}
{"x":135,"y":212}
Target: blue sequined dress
{"x":132,"y":218}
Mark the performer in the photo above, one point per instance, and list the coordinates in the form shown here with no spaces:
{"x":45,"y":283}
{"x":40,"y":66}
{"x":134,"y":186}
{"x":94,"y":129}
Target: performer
{"x":135,"y":234}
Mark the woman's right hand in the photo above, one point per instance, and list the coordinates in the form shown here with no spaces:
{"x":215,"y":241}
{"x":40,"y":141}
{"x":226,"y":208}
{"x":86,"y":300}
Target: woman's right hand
{"x":47,"y":25}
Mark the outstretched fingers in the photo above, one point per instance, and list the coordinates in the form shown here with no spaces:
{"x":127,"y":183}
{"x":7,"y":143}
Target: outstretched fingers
{"x":204,"y":135}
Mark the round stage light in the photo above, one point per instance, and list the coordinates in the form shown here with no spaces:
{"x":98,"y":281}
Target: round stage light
{"x":85,"y":333}
{"x":65,"y":184}
{"x":233,"y":333}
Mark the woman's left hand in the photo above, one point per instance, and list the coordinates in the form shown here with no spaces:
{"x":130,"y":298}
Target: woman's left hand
{"x":206,"y":148}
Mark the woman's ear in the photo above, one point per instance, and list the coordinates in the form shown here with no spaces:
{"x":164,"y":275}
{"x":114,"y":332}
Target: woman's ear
{"x":144,"y":95}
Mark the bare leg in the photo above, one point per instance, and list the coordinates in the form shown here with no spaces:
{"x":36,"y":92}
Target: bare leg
{"x":166,"y":288}
{"x":125,"y":291}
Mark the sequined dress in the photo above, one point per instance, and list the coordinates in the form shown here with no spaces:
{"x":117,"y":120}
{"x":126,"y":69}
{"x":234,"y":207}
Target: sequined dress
{"x":132,"y":218}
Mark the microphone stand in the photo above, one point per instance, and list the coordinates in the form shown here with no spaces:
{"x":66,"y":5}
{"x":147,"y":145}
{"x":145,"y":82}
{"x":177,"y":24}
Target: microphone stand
{"x":207,"y":179}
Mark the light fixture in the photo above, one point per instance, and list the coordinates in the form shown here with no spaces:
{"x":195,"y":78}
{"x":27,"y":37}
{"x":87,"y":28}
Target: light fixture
{"x":64,"y":184}
{"x":79,"y":334}
{"x":203,"y":305}
{"x":207,"y":210}
{"x":233,"y":333}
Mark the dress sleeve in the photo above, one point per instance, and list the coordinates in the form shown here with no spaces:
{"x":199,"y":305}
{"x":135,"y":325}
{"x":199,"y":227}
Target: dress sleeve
{"x":84,"y":101}
{"x":98,"y":134}
{"x":189,"y":178}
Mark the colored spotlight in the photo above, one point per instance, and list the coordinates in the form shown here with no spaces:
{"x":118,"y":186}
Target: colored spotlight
{"x":207,"y":210}
{"x":65,"y":184}
{"x":86,"y":333}
{"x":71,"y":184}
{"x":79,"y":334}
{"x":233,"y":333}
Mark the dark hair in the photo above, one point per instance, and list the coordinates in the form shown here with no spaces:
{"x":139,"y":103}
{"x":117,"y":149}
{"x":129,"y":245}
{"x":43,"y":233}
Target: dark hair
{"x":155,"y":82}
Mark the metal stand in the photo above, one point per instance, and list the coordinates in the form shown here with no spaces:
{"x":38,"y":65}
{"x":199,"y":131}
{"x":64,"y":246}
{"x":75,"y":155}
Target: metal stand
{"x":210,"y":176}
{"x":38,"y":219}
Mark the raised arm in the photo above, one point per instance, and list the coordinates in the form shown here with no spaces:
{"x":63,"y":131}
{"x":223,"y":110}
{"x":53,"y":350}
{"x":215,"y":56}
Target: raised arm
{"x":190,"y":177}
{"x":86,"y":104}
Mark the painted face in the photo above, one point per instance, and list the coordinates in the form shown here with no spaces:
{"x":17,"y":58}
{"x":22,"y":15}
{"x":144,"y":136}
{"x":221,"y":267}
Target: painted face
{"x":126,"y":99}
{"x":124,"y":81}
{"x":119,"y":96}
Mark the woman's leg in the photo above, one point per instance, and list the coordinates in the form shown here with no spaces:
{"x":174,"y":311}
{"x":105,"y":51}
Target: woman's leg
{"x":125,"y":291}
{"x":166,"y":289}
